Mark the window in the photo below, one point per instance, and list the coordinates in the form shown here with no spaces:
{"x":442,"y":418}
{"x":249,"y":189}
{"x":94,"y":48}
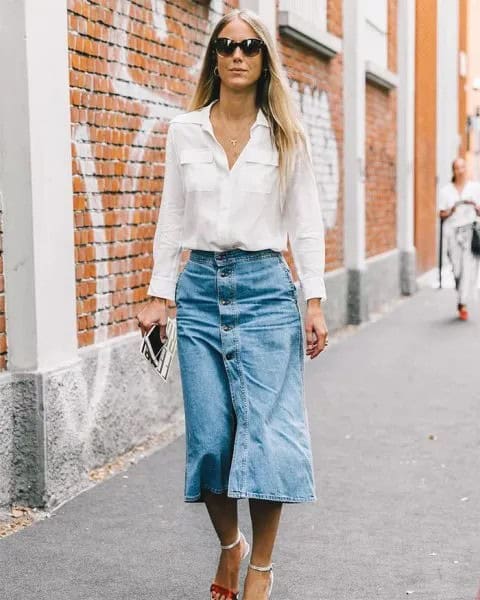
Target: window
{"x":306,"y":21}
{"x":265,"y":9}
{"x":312,"y":13}
{"x":376,"y":36}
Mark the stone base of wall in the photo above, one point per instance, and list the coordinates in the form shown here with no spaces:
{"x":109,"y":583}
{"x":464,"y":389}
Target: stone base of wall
{"x":353,"y":295}
{"x":357,"y":297}
{"x":336,"y":307}
{"x":57,"y":426}
{"x":6,"y":441}
{"x":383,"y":279}
{"x":408,"y":271}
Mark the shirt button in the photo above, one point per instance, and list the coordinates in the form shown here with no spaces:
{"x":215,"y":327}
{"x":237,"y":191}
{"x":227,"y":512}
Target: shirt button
{"x":221,"y":256}
{"x":224,"y":301}
{"x":223,"y":273}
{"x":226,"y":327}
{"x":229,"y":355}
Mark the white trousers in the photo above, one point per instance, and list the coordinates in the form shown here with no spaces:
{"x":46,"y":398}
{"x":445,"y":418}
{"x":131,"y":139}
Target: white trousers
{"x":465,"y":265}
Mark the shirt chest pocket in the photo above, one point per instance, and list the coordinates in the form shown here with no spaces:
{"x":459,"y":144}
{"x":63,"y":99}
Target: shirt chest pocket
{"x":260,"y":172}
{"x":198,"y":170}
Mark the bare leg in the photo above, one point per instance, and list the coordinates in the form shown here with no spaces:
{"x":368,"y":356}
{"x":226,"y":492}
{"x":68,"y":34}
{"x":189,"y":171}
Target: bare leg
{"x":224,"y":517}
{"x":265,"y":519}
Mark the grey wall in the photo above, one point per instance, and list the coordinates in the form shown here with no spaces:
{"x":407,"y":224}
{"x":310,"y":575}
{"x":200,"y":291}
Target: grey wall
{"x":6,"y":440}
{"x":336,"y":312}
{"x":71,"y":420}
{"x":383,"y":283}
{"x":383,"y":279}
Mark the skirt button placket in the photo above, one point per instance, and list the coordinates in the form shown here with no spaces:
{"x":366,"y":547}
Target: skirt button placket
{"x":225,"y":289}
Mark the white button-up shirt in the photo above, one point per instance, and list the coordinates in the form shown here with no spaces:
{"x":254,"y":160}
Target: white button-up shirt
{"x":464,"y":213}
{"x":207,"y":206}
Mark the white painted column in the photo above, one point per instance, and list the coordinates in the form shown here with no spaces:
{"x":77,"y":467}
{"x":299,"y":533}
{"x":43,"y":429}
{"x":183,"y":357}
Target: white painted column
{"x":36,"y":185}
{"x":354,"y":156}
{"x":354,"y":136}
{"x":447,"y":88}
{"x":266,"y":10}
{"x":406,"y":145}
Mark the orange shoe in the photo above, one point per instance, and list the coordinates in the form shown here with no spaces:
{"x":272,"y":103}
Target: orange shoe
{"x":463,"y":313}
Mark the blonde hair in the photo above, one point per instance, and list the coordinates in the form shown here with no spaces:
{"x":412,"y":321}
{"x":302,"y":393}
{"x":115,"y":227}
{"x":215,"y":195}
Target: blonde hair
{"x":273,"y":92}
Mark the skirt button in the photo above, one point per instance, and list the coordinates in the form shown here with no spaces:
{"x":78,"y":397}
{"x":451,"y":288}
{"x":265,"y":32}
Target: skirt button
{"x":229,"y":355}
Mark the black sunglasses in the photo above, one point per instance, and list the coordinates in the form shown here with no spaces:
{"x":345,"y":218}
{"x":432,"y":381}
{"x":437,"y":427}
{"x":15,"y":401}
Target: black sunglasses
{"x":226,"y":46}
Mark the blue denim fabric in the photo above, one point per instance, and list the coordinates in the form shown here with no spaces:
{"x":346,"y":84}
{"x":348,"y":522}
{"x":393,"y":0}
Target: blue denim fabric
{"x":240,"y":349}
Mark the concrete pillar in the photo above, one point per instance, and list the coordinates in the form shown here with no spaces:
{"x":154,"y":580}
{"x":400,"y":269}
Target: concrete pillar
{"x":406,"y":147}
{"x":36,"y":185}
{"x":36,"y":195}
{"x":448,"y":140}
{"x":354,"y":161}
{"x":266,"y":10}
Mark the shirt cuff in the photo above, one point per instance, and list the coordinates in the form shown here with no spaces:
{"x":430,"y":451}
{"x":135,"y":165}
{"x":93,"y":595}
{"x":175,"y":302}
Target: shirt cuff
{"x":162,"y":287}
{"x":314,"y":287}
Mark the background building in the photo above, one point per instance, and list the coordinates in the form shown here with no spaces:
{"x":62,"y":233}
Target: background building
{"x":472,"y":91}
{"x":91,"y":86}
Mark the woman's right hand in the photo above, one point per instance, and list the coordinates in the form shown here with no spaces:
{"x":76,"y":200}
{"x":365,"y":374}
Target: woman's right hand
{"x":155,"y":312}
{"x":444,"y":214}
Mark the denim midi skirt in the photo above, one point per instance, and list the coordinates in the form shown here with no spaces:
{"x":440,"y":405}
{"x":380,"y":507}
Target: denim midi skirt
{"x":241,"y":355}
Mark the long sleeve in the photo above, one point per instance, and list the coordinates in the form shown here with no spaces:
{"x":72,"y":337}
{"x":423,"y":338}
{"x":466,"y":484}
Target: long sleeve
{"x":476,"y":194}
{"x":167,"y":244}
{"x":444,"y":199}
{"x":305,"y":228}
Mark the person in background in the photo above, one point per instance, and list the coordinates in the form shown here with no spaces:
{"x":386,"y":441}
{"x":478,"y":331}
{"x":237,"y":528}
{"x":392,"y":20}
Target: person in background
{"x":459,"y":205}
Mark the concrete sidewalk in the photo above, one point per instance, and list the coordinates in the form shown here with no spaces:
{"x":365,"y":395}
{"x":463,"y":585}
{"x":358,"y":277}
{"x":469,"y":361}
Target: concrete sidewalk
{"x":394,"y":418}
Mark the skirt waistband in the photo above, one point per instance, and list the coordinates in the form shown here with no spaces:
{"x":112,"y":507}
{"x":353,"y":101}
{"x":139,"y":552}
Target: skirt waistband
{"x":233,"y":255}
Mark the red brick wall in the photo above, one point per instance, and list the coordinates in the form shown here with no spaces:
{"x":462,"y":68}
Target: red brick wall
{"x":131,"y":69}
{"x":380,"y":155}
{"x":334,"y":15}
{"x":315,"y":74}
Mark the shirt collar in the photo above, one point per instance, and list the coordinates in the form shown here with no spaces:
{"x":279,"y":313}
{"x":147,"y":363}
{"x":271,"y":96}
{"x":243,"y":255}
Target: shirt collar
{"x":204,"y":118}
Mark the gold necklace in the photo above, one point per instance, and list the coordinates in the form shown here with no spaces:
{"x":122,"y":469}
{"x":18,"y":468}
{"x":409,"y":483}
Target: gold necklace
{"x":235,"y":140}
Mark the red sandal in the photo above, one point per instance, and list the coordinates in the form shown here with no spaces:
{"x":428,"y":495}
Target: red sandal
{"x":218,"y":589}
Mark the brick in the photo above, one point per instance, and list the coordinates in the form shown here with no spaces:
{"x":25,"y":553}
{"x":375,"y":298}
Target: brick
{"x":380,"y":185}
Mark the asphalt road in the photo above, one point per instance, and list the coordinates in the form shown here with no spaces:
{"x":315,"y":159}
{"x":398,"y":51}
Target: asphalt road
{"x":394,"y":415}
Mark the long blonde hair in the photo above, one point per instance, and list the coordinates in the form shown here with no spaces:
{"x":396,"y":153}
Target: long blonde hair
{"x":273,"y":92}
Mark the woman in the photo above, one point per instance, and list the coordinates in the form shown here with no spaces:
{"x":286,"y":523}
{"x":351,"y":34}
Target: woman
{"x":460,"y":207}
{"x":238,"y":177}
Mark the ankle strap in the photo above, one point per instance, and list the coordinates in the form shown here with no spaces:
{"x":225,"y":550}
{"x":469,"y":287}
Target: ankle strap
{"x":261,"y":569}
{"x":237,"y":541}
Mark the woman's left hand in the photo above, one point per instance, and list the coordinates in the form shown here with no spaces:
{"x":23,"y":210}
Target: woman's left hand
{"x":315,"y":328}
